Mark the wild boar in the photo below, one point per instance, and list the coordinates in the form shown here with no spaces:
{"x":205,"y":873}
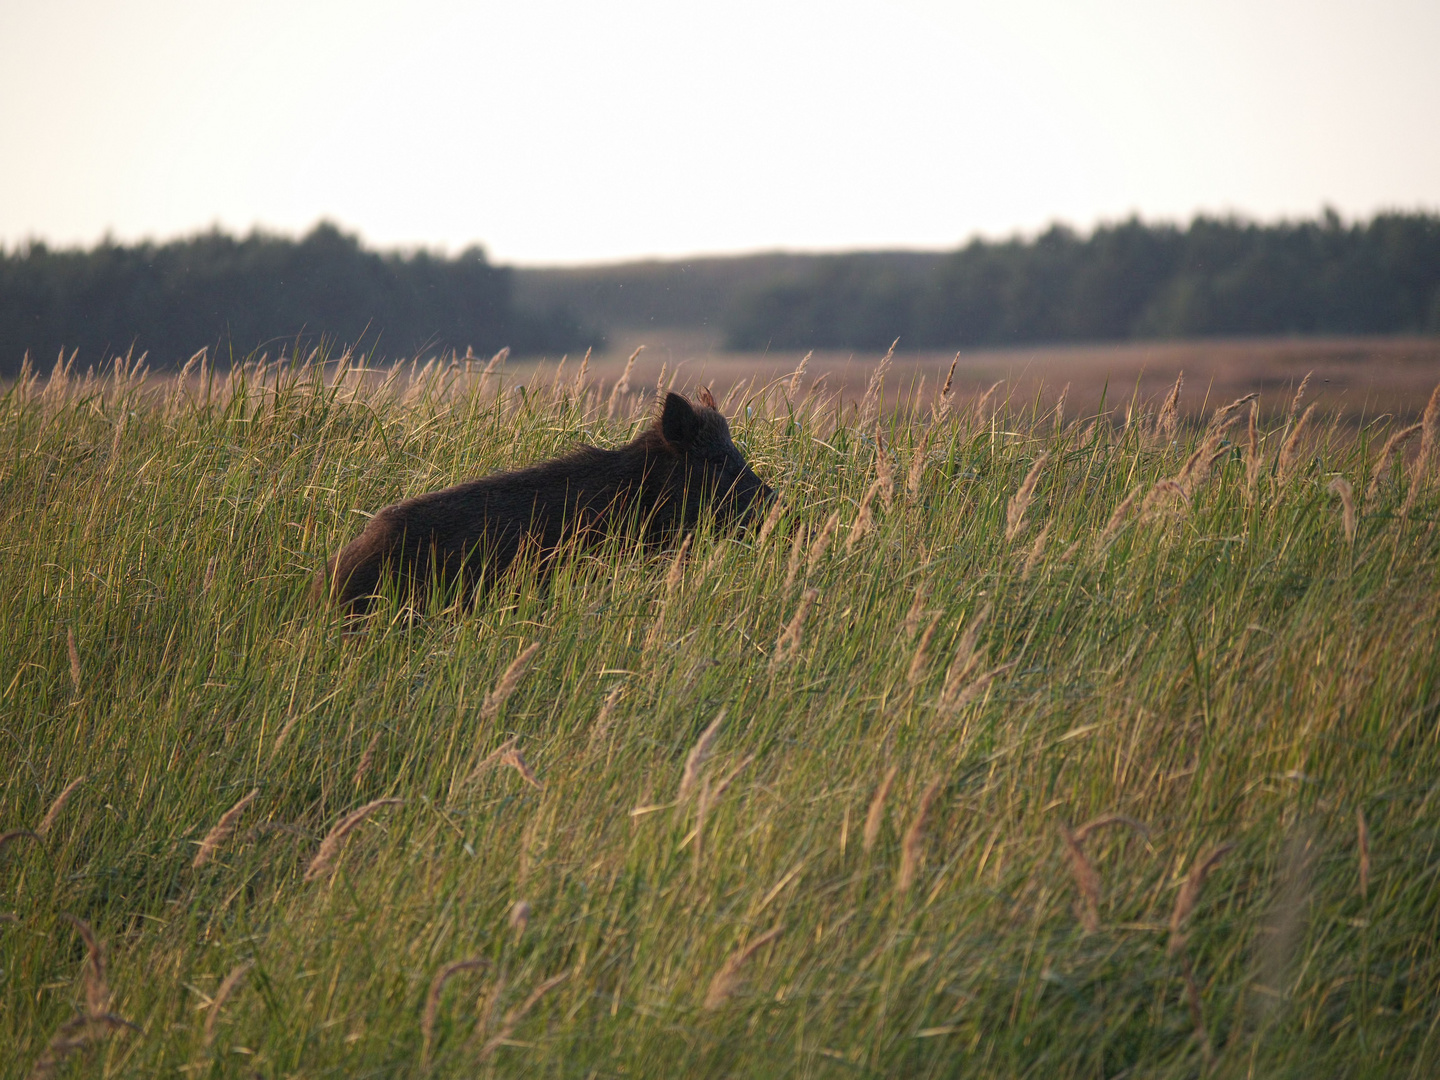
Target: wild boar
{"x":656,"y":486}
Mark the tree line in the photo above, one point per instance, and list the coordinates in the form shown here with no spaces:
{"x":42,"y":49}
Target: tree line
{"x":1216,"y":276}
{"x":236,"y":295}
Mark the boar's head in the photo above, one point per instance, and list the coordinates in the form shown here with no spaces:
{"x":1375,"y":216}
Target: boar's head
{"x":709,"y":461}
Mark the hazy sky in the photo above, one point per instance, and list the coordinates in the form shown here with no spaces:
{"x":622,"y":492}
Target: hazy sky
{"x":566,"y":132}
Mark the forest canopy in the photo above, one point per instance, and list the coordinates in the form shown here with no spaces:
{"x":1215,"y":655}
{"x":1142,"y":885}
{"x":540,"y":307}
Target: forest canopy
{"x":236,"y":295}
{"x":1122,"y":281}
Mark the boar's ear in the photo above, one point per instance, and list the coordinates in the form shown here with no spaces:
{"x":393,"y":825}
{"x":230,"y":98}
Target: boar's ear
{"x":706,"y":398}
{"x":678,"y":422}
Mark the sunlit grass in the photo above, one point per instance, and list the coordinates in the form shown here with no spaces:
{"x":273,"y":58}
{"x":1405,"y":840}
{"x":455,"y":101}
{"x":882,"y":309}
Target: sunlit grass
{"x":886,"y":859}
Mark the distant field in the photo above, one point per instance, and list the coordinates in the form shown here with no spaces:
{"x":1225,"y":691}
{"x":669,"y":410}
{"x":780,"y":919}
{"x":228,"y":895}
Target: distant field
{"x":1016,"y":745}
{"x":1363,"y":376}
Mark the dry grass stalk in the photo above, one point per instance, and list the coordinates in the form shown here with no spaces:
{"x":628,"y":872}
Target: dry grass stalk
{"x":727,"y":979}
{"x":498,"y":754}
{"x":516,"y":761}
{"x":1161,"y":498}
{"x":1190,"y":894}
{"x":622,"y":384}
{"x":1226,"y":415}
{"x":912,"y":845}
{"x":1340,"y":486}
{"x":222,"y":995}
{"x":1167,"y":421}
{"x":74,"y":658}
{"x":921,"y":659}
{"x":797,"y":554}
{"x":515,"y":1015}
{"x":1037,"y":551}
{"x":864,"y":518}
{"x":1387,"y":453}
{"x":432,"y":1002}
{"x":1290,"y":452}
{"x":799,"y":373}
{"x":1060,"y":408}
{"x":870,"y":403}
{"x":1362,"y":837}
{"x":917,"y":609}
{"x":981,"y":417}
{"x":916,"y":476}
{"x":1295,"y":401}
{"x":777,"y":508}
{"x":884,"y":470}
{"x":676,"y":573}
{"x":97,"y":990}
{"x":876,"y":814}
{"x":490,"y":708}
{"x":942,"y":410}
{"x":966,"y":659}
{"x":1254,"y":460}
{"x":324,"y":861}
{"x":48,"y":821}
{"x":366,"y":759}
{"x":788,"y":643}
{"x":222,"y":830}
{"x":519,"y":917}
{"x":74,"y":1034}
{"x":1020,"y":502}
{"x":1117,"y":519}
{"x":822,"y":542}
{"x":580,"y":375}
{"x":1087,"y":879}
{"x":695,"y":760}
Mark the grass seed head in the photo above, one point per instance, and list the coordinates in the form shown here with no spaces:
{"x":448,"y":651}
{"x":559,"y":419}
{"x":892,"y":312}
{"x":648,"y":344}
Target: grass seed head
{"x":798,"y":374}
{"x":222,"y":830}
{"x":48,"y":821}
{"x":516,"y":761}
{"x":323,"y":864}
{"x":1167,"y":420}
{"x":1020,"y":503}
{"x":788,"y":643}
{"x":727,"y":980}
{"x":1362,"y":840}
{"x":917,"y":609}
{"x":912,"y":845}
{"x":222,"y":995}
{"x":921,"y":659}
{"x":695,"y":760}
{"x":366,"y":759}
{"x":1117,"y":519}
{"x":1087,"y":879}
{"x":1290,"y":452}
{"x":1037,"y":551}
{"x":1189,"y":894}
{"x":74,"y":658}
{"x":797,"y":556}
{"x":1387,"y":453}
{"x":876,"y":814}
{"x":1295,"y":401}
{"x":1341,"y":487}
{"x":432,"y":1002}
{"x":822,"y":542}
{"x":490,"y":708}
{"x":97,"y":990}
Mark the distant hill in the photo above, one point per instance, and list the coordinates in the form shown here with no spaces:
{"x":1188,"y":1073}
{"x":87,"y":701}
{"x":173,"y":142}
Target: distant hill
{"x":702,"y":292}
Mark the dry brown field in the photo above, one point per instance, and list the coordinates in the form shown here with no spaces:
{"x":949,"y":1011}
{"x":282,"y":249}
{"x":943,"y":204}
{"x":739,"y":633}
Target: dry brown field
{"x":1364,"y":377}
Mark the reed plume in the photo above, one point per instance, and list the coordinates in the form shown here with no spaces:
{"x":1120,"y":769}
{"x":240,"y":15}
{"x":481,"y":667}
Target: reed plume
{"x":1290,"y":452}
{"x":942,"y":409}
{"x":1382,"y":463}
{"x":864,"y":518}
{"x":1295,"y":401}
{"x":788,"y":643}
{"x":490,"y":708}
{"x":622,"y":384}
{"x":727,"y":980}
{"x":870,"y":403}
{"x":777,"y":508}
{"x":912,"y":849}
{"x":1190,"y":893}
{"x":1340,"y":486}
{"x":822,"y":542}
{"x":222,"y":830}
{"x":1020,"y":502}
{"x":323,"y":864}
{"x":695,"y":760}
{"x":1117,"y":519}
{"x":1167,"y":421}
{"x":222,"y":995}
{"x":366,"y":759}
{"x":876,"y":814}
{"x":432,"y":1002}
{"x":48,"y":821}
{"x":798,"y":374}
{"x":921,"y":658}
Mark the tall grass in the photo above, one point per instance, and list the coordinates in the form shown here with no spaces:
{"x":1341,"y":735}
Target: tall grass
{"x":867,"y":868}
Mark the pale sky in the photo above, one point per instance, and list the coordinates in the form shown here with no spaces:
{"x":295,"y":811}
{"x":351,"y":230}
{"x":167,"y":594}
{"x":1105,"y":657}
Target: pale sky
{"x":555,"y":132}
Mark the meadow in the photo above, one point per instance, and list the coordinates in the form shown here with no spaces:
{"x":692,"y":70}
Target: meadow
{"x":1021,"y":740}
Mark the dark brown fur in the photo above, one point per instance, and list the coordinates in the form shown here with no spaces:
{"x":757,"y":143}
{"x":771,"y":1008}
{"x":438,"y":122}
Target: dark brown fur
{"x":655,"y":486}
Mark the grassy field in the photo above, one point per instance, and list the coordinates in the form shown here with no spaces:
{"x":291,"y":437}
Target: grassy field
{"x":1025,"y":741}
